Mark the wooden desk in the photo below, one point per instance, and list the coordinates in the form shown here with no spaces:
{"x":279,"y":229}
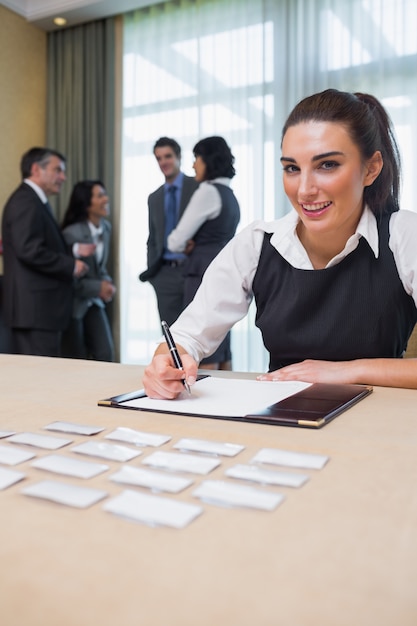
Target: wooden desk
{"x":341,"y":550}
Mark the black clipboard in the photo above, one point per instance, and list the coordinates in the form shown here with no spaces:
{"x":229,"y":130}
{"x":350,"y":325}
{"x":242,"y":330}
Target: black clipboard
{"x":313,"y":407}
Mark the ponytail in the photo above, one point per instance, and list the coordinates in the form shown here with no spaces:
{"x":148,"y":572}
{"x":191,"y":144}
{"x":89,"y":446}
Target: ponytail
{"x":370,"y":129}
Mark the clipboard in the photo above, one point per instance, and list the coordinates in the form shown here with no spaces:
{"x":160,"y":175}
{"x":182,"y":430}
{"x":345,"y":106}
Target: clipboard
{"x":312,"y":407}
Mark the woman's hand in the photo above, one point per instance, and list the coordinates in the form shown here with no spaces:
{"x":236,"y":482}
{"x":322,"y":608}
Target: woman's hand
{"x":379,"y":372}
{"x":311,"y":371}
{"x":164,"y":381}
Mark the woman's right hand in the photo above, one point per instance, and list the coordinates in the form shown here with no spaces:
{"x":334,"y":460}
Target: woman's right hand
{"x":164,"y":381}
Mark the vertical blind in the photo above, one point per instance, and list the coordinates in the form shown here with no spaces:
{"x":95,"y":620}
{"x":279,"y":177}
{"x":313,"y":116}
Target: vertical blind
{"x":236,"y":68}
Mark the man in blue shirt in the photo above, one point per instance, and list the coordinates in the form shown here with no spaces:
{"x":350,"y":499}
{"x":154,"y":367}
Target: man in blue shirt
{"x":166,"y":206}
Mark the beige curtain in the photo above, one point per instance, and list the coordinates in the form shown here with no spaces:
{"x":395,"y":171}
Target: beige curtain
{"x":81,"y":107}
{"x":82,"y":123}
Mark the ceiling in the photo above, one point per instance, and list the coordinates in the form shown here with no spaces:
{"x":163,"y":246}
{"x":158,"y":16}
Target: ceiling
{"x":42,"y":12}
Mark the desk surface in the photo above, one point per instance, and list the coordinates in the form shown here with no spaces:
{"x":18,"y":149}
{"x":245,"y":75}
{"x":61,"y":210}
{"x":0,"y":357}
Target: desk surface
{"x":340,"y":550}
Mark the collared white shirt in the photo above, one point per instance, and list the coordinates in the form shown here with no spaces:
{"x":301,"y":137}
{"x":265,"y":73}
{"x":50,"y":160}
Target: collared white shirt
{"x":39,"y":192}
{"x":97,"y":238}
{"x":205,"y":204}
{"x":226,"y":290}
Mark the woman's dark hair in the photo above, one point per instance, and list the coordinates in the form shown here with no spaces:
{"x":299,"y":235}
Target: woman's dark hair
{"x":369,"y":127}
{"x":79,"y":202}
{"x":217,"y":157}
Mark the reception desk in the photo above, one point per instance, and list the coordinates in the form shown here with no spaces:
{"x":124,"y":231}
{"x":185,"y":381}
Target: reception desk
{"x":339,"y":551}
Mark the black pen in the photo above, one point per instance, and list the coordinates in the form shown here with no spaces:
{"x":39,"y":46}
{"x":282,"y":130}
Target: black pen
{"x":174,"y":352}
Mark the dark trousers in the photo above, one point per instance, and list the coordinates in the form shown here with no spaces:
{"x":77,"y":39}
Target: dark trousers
{"x":169,"y":288}
{"x":89,"y":337}
{"x":223,"y":353}
{"x":36,"y":342}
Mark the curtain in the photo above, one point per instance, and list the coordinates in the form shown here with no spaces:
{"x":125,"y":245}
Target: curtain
{"x":236,"y":68}
{"x":80,"y":106}
{"x":82,"y":123}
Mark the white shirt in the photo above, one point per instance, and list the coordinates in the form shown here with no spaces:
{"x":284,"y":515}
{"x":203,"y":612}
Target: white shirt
{"x":39,"y":192}
{"x":226,"y":290}
{"x":205,"y":204}
{"x":97,"y":238}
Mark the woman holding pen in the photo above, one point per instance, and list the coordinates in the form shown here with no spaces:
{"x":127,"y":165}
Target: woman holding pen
{"x":334,"y":280}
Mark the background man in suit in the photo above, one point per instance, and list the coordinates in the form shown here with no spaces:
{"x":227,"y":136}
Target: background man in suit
{"x":38,"y":269}
{"x":166,"y":206}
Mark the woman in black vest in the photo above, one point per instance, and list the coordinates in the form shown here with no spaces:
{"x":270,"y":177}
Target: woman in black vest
{"x":207,"y":225}
{"x":334,"y":280}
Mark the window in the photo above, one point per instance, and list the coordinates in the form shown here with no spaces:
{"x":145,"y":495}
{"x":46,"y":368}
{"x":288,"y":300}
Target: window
{"x":236,"y":68}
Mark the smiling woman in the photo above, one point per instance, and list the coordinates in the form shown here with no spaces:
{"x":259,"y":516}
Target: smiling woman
{"x":326,"y":185}
{"x":87,"y":233}
{"x":334,"y":281}
{"x":230,"y":74}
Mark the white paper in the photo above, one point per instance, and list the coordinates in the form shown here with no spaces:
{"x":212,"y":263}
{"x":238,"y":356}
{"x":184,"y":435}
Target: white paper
{"x":9,"y":477}
{"x":78,"y":429}
{"x":6,"y":433}
{"x":227,"y":494}
{"x":182,"y":462}
{"x":70,"y":467}
{"x":71,"y":495}
{"x":152,"y":510}
{"x":151,"y":480}
{"x":138,"y":438}
{"x":12,"y":455}
{"x":209,"y":447}
{"x":40,"y":441}
{"x":290,"y":459}
{"x":108,"y":451}
{"x":257,"y":474}
{"x":224,"y":397}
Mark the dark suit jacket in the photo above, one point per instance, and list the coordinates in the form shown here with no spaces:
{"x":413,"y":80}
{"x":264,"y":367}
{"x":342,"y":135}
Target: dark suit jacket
{"x":157,"y":224}
{"x":38,"y":271}
{"x":88,"y":286}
